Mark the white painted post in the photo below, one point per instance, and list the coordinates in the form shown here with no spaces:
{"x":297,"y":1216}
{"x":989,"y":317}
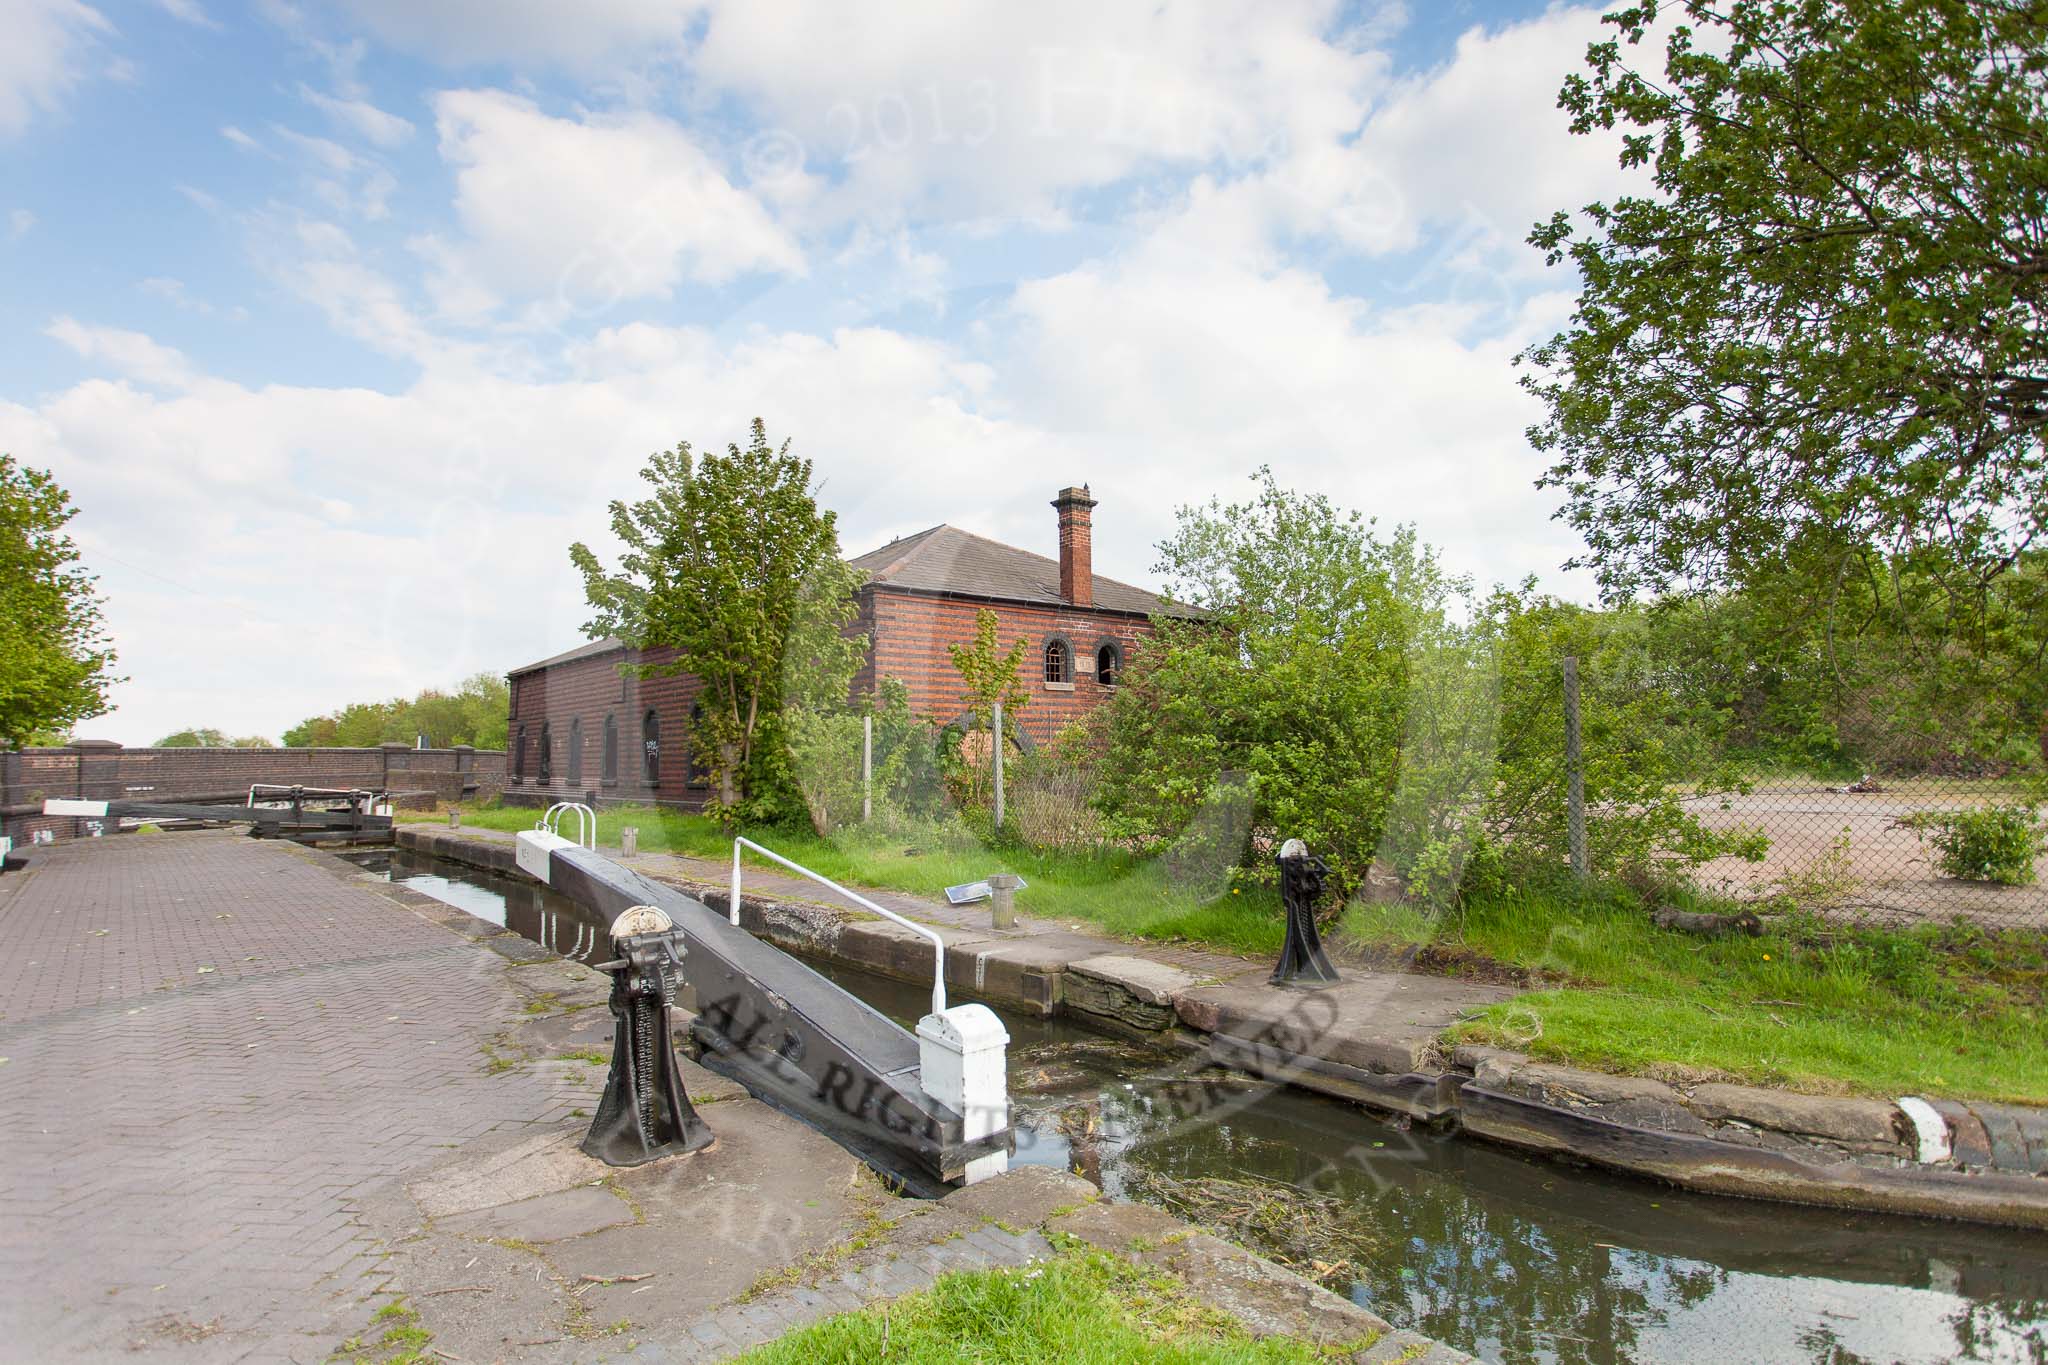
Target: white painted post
{"x":733,"y":905}
{"x":961,"y":1064}
{"x":629,"y":840}
{"x":867,"y":768}
{"x":997,"y":751}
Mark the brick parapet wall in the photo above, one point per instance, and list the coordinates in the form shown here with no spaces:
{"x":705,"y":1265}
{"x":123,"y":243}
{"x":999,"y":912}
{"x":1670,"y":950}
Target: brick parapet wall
{"x":110,"y":772}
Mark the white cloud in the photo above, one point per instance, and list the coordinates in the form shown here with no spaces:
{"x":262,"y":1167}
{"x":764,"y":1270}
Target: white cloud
{"x":128,"y":353}
{"x":361,"y":117}
{"x":1464,"y":158}
{"x":584,"y":213}
{"x":1184,"y":367}
{"x":544,"y":32}
{"x":47,"y":48}
{"x":19,"y":221}
{"x":469,"y":484}
{"x":1000,"y":108}
{"x":240,"y":138}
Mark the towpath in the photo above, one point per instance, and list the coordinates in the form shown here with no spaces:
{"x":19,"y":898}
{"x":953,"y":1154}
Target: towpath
{"x":257,"y":1107}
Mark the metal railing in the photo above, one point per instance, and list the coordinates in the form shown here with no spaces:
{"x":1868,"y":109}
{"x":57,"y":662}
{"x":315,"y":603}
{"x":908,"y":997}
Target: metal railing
{"x":938,"y":944}
{"x":586,"y":822}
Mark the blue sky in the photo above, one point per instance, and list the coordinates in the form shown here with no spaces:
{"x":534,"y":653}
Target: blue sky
{"x":401,"y":292}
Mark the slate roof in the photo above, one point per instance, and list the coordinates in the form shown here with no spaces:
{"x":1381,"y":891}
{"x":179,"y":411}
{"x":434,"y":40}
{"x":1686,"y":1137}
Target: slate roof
{"x":948,"y":559}
{"x":583,"y":651}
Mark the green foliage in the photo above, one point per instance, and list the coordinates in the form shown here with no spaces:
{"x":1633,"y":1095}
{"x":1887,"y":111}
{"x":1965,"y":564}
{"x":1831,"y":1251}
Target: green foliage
{"x":56,"y":663}
{"x":731,"y":564}
{"x":988,"y":674}
{"x":1363,"y":700}
{"x":1648,"y":745}
{"x":1872,"y":671}
{"x":825,"y":754}
{"x":208,"y":738}
{"x":1295,"y":682}
{"x":1984,"y":844}
{"x":476,"y":713}
{"x":1823,"y":326}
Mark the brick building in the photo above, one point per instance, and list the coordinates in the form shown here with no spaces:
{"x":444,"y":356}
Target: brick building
{"x":581,"y":726}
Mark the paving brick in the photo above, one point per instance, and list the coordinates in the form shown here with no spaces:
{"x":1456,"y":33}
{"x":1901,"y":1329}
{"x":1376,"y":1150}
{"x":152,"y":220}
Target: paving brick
{"x":145,"y":1142}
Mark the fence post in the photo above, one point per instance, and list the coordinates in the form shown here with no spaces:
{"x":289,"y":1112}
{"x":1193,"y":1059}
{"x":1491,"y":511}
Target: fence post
{"x":997,"y":751}
{"x":1574,"y":769}
{"x":867,"y":768}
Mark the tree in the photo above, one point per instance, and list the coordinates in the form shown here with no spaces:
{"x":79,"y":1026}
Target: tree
{"x":732,"y":565}
{"x":56,"y":662}
{"x":211,"y":739}
{"x":1295,"y":680}
{"x":1824,"y":329}
{"x":475,"y":713}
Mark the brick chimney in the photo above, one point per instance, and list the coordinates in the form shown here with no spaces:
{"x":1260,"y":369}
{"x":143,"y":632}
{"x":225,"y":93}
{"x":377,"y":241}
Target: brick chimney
{"x":1077,"y":546}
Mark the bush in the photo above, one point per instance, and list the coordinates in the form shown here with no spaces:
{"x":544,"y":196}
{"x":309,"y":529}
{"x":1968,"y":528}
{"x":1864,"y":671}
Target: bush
{"x":1988,"y":844}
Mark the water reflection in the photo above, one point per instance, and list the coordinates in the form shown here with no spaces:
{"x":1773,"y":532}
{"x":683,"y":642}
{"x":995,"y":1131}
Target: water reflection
{"x":1513,"y":1259}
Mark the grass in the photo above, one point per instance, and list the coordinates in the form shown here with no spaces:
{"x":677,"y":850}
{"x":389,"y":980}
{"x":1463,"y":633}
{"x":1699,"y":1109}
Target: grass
{"x":1944,"y":1010}
{"x":1120,"y":894}
{"x":1934,"y":1010}
{"x":1079,"y":1308}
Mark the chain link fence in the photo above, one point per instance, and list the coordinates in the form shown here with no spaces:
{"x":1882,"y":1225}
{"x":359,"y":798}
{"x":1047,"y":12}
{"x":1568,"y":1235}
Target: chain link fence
{"x":1915,"y":833}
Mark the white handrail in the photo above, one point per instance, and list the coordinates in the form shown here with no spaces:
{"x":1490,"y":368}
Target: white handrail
{"x":586,"y":822}
{"x":938,"y":944}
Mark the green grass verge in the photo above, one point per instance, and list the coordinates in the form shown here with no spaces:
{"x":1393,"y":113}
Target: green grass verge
{"x":1126,"y":896}
{"x":1933,"y":1010}
{"x":1080,"y":1308}
{"x":1941,"y":1010}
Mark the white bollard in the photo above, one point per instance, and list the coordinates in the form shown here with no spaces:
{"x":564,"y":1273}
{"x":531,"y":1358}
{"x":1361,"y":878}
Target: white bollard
{"x":629,"y":840}
{"x":961,"y":1064}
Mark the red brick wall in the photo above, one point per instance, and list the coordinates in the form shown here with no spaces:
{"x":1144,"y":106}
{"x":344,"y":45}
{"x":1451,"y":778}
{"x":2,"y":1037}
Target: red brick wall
{"x":911,"y":632}
{"x":588,"y":690}
{"x":109,"y":772}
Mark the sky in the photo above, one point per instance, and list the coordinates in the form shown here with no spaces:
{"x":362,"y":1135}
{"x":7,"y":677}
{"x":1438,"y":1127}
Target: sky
{"x":341,"y":322}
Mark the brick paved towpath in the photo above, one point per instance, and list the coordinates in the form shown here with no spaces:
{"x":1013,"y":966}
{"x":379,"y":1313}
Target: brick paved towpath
{"x":214,"y":1049}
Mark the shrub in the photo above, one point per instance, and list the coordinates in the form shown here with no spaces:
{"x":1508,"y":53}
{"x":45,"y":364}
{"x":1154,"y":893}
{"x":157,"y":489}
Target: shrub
{"x":1988,"y":844}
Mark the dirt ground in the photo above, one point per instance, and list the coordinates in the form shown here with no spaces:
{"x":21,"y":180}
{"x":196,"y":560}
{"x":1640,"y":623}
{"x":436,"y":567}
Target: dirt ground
{"x":1850,"y":853}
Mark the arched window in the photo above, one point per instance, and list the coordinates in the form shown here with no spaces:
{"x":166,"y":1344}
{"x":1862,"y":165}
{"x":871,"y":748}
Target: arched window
{"x":1109,"y":663}
{"x":1059,"y":662}
{"x":611,"y":748}
{"x":547,"y":753}
{"x":519,"y":755}
{"x":576,"y":752}
{"x":650,"y":746}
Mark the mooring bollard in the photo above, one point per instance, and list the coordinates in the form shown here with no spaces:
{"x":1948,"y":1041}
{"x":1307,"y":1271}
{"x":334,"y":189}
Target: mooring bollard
{"x":629,"y":841}
{"x":645,"y":1112}
{"x":1301,"y":882}
{"x":455,"y":817}
{"x":1002,"y":900}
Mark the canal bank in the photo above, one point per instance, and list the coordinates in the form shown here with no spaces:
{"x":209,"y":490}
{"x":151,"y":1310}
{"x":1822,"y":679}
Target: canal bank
{"x":1373,"y":1040}
{"x":1506,"y":1255}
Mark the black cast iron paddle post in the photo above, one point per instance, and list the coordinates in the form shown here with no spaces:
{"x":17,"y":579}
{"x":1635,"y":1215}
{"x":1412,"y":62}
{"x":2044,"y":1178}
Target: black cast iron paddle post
{"x":1301,"y":882}
{"x":645,"y":1112}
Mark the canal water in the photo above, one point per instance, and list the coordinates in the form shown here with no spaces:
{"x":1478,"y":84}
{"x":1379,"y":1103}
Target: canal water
{"x":1511,"y":1258}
